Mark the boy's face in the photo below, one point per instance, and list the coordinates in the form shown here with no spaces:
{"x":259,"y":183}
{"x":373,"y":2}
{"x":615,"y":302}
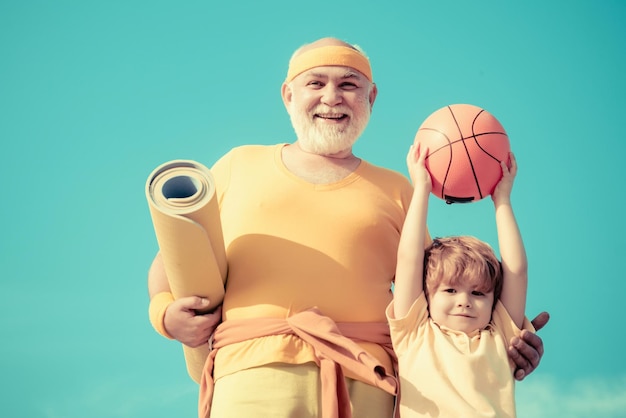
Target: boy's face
{"x":460,"y":307}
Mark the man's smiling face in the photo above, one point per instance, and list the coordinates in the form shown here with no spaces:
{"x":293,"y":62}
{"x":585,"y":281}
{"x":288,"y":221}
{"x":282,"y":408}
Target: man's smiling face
{"x":329,"y":108}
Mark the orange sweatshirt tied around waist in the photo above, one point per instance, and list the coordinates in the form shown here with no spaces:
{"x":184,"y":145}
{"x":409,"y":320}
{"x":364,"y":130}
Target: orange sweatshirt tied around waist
{"x":335,"y":349}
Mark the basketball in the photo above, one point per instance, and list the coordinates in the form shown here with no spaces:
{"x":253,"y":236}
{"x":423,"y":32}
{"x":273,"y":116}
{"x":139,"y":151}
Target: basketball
{"x":465,"y":147}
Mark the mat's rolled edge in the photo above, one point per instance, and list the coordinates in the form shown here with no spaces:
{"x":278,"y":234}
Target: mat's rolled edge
{"x":187,"y":188}
{"x":193,"y":251}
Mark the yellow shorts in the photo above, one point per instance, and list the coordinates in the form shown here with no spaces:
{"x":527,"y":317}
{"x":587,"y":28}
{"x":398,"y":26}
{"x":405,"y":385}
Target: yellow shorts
{"x":290,"y":391}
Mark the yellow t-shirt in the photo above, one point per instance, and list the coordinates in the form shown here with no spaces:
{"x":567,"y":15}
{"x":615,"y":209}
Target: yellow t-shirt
{"x":292,"y":245}
{"x":447,"y":373}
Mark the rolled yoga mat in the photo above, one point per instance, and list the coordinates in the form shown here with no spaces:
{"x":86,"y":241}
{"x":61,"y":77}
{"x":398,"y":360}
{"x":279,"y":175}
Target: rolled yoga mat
{"x":185,"y":215}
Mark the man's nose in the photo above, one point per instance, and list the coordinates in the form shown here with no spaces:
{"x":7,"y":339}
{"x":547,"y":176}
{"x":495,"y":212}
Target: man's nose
{"x":332,"y":95}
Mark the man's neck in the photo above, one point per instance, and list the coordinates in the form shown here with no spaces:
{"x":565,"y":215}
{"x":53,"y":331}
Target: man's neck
{"x":319,"y":169}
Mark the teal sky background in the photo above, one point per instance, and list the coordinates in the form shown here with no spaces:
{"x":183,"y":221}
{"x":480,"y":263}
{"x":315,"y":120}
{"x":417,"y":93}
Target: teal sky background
{"x":95,"y":94}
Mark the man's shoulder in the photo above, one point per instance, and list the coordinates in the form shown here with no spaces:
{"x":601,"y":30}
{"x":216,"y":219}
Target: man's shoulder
{"x":253,"y":149}
{"x":384,"y":174}
{"x":252,"y":152}
{"x":244,"y":155}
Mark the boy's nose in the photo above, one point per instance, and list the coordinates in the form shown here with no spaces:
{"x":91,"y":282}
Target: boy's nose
{"x":463,"y":301}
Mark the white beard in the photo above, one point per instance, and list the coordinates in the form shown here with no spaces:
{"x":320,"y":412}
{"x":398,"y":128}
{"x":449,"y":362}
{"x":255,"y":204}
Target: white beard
{"x":322,"y":139}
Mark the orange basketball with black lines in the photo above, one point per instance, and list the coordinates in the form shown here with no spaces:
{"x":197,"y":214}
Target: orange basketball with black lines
{"x":465,"y":147}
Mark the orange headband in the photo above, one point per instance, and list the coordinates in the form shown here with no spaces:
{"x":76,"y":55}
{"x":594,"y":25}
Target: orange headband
{"x":329,"y":55}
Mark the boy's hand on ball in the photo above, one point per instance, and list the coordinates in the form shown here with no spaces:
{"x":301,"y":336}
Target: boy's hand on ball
{"x":415,"y":161}
{"x":502,"y":191}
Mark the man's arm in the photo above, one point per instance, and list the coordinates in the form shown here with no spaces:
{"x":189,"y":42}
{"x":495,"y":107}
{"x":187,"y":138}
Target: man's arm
{"x":527,"y":349}
{"x":180,"y":320}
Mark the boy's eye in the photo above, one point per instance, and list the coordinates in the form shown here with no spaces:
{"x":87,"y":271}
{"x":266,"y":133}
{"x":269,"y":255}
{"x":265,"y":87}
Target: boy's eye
{"x":477,"y":293}
{"x":449,"y":290}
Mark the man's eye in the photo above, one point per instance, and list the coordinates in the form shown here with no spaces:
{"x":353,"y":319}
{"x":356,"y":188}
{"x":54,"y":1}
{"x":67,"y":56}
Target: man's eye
{"x":315,"y":83}
{"x":348,"y":86}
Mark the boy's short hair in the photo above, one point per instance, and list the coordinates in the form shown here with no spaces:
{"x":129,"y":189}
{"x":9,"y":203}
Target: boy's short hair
{"x":462,"y":259}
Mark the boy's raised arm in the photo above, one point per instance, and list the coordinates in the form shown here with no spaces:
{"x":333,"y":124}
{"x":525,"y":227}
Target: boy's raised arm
{"x":410,"y":263}
{"x":512,"y":251}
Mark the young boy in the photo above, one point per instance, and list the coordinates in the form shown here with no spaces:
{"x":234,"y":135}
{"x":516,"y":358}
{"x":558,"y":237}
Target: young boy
{"x":455,"y":308}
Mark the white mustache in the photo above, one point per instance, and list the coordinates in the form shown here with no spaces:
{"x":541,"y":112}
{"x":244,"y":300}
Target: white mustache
{"x":331,"y":111}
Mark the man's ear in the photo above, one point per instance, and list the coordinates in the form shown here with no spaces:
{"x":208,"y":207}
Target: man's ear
{"x":373,"y":94}
{"x":286,"y":93}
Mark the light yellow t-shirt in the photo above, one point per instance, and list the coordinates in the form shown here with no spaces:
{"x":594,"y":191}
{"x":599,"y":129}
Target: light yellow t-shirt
{"x":292,"y":245}
{"x":446,"y":373}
